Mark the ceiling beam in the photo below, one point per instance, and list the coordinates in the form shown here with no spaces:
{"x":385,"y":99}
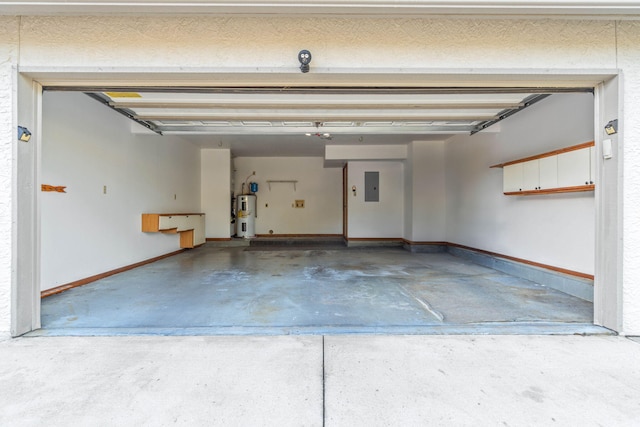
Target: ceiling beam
{"x":280,"y":130}
{"x":374,"y":104}
{"x":359,"y":116}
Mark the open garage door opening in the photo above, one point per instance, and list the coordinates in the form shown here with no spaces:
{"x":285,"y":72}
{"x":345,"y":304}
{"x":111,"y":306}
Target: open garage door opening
{"x":385,"y":210}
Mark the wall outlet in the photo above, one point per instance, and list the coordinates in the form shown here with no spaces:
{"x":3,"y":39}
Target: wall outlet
{"x":299,"y":204}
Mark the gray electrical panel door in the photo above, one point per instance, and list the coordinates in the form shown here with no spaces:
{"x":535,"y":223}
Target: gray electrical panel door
{"x":371,"y":186}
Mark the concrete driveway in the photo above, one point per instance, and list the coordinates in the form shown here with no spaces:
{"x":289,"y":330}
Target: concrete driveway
{"x":345,"y":380}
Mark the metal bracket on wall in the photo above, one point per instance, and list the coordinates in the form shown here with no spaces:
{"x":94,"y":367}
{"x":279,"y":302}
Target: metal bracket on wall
{"x":529,"y":101}
{"x":127,"y":113}
{"x":290,"y":181}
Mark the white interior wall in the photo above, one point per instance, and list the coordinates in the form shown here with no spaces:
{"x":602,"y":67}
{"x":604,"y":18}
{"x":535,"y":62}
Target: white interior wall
{"x":86,"y":146}
{"x":363,"y":152}
{"x":428,"y":192}
{"x":408,"y":194}
{"x":319,"y":187}
{"x":383,"y":219}
{"x":215,"y":199}
{"x":558,"y":229}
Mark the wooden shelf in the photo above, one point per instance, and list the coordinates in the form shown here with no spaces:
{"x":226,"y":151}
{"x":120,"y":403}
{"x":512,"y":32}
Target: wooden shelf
{"x":578,"y":189}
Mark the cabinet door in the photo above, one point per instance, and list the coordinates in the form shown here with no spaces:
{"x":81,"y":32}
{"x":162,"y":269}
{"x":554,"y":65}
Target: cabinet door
{"x":512,"y":178}
{"x":530,"y":175}
{"x":199,"y":236}
{"x":548,"y":173}
{"x":574,"y":168}
{"x":182,"y":222}
{"x":167,"y":222}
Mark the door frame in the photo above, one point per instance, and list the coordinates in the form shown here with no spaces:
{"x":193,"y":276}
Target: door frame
{"x":607,"y":86}
{"x":345,"y":202}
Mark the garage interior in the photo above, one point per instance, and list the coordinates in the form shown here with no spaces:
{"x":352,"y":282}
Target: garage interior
{"x":441,"y":250}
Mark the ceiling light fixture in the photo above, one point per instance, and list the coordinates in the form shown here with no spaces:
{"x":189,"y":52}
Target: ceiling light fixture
{"x":326,"y":136}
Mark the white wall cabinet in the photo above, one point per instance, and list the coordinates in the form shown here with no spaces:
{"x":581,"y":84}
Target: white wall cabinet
{"x":512,"y":178}
{"x":574,"y":168}
{"x":548,"y":173}
{"x":569,"y":169}
{"x":530,"y":175}
{"x":190,"y":227}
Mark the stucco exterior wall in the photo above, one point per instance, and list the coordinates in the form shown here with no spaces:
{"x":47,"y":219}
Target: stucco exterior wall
{"x":354,"y":43}
{"x":8,"y":59}
{"x":628,"y":59}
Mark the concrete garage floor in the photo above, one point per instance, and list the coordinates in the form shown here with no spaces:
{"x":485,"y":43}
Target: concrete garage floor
{"x":275,"y":290}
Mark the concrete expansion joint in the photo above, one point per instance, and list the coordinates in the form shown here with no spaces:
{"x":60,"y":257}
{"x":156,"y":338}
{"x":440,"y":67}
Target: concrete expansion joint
{"x":635,"y":339}
{"x":324,"y":389}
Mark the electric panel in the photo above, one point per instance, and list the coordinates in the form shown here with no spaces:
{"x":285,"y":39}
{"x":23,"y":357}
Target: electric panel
{"x":372,"y":186}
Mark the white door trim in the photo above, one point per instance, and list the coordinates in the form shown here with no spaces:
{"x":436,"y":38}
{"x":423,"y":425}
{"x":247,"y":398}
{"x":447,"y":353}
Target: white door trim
{"x":606,"y":83}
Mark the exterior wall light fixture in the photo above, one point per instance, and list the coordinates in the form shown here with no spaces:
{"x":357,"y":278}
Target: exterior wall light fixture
{"x":304,"y":56}
{"x":612,"y":127}
{"x":23,"y":134}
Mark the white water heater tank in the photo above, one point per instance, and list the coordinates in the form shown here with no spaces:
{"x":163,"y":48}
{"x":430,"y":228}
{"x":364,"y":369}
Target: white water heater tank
{"x":246,"y":221}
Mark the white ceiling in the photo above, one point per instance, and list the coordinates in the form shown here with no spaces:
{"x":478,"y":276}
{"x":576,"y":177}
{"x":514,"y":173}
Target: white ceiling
{"x":300,"y":122}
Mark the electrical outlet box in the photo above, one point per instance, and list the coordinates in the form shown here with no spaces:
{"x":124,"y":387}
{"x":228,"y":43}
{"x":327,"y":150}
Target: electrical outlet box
{"x":299,"y":204}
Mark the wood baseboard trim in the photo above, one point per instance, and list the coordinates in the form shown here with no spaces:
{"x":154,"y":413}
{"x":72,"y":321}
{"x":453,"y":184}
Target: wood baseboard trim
{"x":374,"y":239}
{"x":81,"y":282}
{"x":298,"y":235}
{"x":524,"y":261}
{"x":412,"y":243}
{"x":218,"y":239}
